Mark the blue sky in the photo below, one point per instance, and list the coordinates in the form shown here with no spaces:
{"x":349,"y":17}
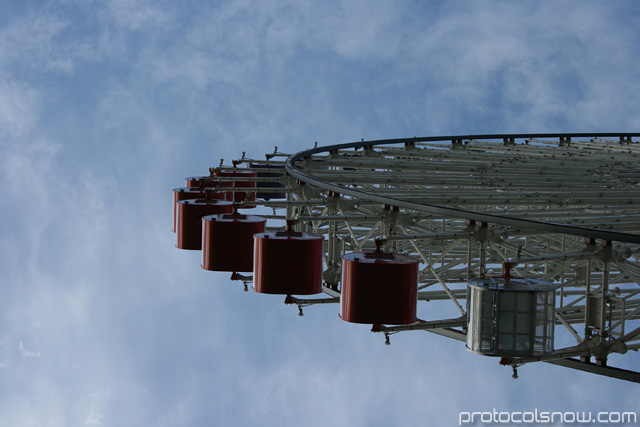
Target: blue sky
{"x":105,"y":106}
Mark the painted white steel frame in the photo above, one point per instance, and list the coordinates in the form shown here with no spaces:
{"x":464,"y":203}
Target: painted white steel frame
{"x":564,"y":208}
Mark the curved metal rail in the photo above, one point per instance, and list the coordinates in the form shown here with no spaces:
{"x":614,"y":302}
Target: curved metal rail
{"x":297,"y":173}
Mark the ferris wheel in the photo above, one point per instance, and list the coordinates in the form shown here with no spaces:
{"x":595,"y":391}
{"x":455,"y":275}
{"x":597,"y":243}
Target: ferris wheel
{"x":523,"y":246}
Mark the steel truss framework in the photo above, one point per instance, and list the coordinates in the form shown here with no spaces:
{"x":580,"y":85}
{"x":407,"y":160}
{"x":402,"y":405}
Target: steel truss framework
{"x":562,"y":208}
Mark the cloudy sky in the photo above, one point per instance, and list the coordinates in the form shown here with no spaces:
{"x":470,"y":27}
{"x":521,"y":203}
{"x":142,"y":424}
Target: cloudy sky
{"x":105,"y":106}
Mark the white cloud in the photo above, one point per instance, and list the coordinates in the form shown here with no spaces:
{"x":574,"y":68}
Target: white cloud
{"x":133,"y":15}
{"x":27,"y":353}
{"x":19,"y":108}
{"x":32,"y":42}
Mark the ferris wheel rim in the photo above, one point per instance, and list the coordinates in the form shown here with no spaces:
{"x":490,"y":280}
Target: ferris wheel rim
{"x":292,"y":170}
